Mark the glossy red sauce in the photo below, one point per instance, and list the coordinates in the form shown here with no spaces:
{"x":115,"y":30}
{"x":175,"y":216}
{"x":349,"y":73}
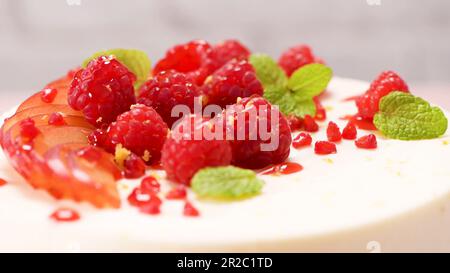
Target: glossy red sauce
{"x":283,"y":169}
{"x":360,"y":122}
{"x":2,"y":182}
{"x":65,"y":215}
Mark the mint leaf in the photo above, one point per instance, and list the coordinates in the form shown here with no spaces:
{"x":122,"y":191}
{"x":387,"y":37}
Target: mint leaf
{"x":268,"y":71}
{"x":135,"y":60}
{"x":406,"y":117}
{"x":226,"y":183}
{"x":294,"y":96}
{"x":310,"y":80}
{"x":289,"y":103}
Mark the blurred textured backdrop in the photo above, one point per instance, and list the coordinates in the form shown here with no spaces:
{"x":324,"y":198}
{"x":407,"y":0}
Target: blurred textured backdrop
{"x":40,"y":40}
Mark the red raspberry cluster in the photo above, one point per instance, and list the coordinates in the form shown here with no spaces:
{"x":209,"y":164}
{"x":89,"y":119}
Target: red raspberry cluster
{"x":198,"y":72}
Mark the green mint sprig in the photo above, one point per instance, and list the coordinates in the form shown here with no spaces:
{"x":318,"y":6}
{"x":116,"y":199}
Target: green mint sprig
{"x":406,"y":117}
{"x":226,"y":183}
{"x":293,"y":95}
{"x":137,"y":61}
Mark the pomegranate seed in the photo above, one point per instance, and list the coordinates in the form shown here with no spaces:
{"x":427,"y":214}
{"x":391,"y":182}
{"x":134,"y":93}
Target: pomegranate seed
{"x":150,"y":184}
{"x":56,"y":119}
{"x":134,"y":167}
{"x":48,"y":95}
{"x":324,"y":148}
{"x":138,"y":198}
{"x":28,"y":129}
{"x":302,"y":140}
{"x":295,"y":123}
{"x":333,"y":132}
{"x":310,"y":124}
{"x":151,"y":208}
{"x":65,"y":215}
{"x":177,"y":193}
{"x":367,"y":142}
{"x":349,"y":131}
{"x":190,"y":210}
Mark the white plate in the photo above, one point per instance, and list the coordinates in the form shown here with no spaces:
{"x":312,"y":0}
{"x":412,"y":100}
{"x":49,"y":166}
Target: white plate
{"x":395,"y":198}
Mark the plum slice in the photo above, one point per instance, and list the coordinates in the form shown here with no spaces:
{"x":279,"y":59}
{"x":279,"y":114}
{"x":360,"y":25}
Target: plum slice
{"x":65,"y":110}
{"x":61,"y":85}
{"x":59,"y":159}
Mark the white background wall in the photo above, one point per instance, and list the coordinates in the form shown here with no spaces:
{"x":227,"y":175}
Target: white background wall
{"x":41,"y":39}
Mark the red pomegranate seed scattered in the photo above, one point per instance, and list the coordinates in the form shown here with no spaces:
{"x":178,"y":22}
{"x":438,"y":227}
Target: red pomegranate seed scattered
{"x":333,"y":132}
{"x":65,"y":215}
{"x":48,"y":95}
{"x":2,"y":182}
{"x":349,"y":131}
{"x":325,"y":148}
{"x":152,"y":208}
{"x":150,"y":184}
{"x":367,"y":142}
{"x":295,"y":123}
{"x":177,"y":193}
{"x":138,"y":198}
{"x":310,"y":124}
{"x":28,"y":129}
{"x":190,"y":210}
{"x":56,"y":119}
{"x":134,"y":167}
{"x":302,"y":140}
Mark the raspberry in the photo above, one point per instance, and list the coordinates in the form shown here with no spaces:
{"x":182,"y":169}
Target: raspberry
{"x":310,"y":124}
{"x":140,"y":130}
{"x":229,"y":50}
{"x":48,"y":95}
{"x":183,"y":157}
{"x":333,"y":132}
{"x":255,"y":147}
{"x":151,"y":185}
{"x":295,"y":123}
{"x":102,"y":91}
{"x":97,"y":138}
{"x":237,"y":79}
{"x":28,"y":129}
{"x":194,"y":58}
{"x":56,"y":119}
{"x":367,"y":142}
{"x":177,"y":193}
{"x":134,"y":167}
{"x":302,"y":140}
{"x":349,"y":131}
{"x":190,"y":211}
{"x":324,"y":148}
{"x":296,"y":57}
{"x":167,"y":90}
{"x":385,"y":83}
